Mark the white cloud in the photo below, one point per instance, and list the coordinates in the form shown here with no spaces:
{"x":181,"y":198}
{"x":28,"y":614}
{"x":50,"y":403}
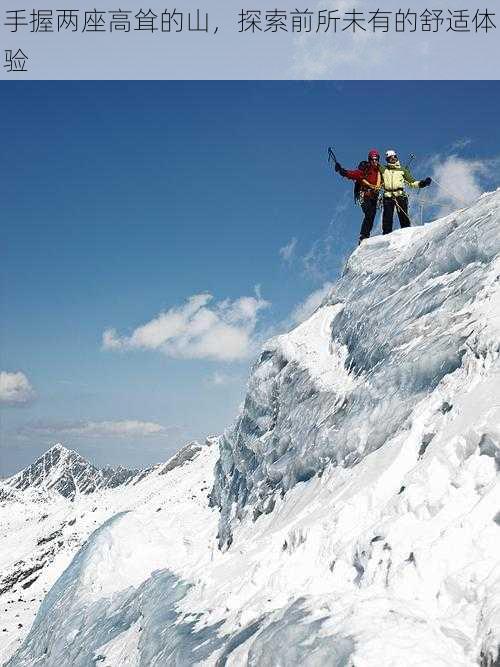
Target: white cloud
{"x":121,"y":428}
{"x":320,"y":55}
{"x":222,"y":379}
{"x":197,"y":330}
{"x":457,"y":182}
{"x":110,"y":429}
{"x":326,"y":255}
{"x":15,"y":388}
{"x":460,"y":144}
{"x":219,"y":379}
{"x":287,"y":252}
{"x":303,"y":310}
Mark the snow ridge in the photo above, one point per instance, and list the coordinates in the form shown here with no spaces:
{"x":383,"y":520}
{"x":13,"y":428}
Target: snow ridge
{"x":407,"y":311}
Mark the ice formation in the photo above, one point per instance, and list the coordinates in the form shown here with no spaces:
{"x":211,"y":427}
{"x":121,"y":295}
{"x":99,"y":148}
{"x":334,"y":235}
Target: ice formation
{"x":402,"y":317}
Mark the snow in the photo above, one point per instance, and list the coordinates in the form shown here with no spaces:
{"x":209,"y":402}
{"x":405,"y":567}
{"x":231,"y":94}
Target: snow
{"x":409,"y":310}
{"x":354,"y":517}
{"x":66,"y":472}
{"x":43,"y":529}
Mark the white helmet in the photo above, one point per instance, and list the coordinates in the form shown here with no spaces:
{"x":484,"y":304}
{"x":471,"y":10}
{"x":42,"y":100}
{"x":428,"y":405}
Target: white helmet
{"x":390,"y":153}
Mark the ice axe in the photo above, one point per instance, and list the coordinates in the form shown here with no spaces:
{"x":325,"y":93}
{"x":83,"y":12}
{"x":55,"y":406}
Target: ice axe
{"x":411,"y":157}
{"x":331,"y":156}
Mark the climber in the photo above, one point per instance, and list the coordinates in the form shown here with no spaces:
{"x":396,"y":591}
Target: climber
{"x":394,"y":177}
{"x":366,"y":190}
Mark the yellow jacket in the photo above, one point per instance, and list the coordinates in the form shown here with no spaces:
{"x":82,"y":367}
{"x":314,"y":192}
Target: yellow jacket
{"x":394,"y":179}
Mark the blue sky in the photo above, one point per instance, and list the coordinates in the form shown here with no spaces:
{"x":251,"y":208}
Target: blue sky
{"x":122,"y":200}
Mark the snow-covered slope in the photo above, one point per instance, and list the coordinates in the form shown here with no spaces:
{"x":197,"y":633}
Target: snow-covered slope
{"x":42,"y":527}
{"x":354,"y":515}
{"x":409,"y":310}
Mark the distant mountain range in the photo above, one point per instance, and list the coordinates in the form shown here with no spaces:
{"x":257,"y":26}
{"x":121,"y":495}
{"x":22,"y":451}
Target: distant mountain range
{"x":66,"y":472}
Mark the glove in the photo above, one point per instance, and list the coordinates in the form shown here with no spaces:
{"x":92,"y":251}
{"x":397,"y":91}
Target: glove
{"x":427,"y":181}
{"x":338,"y":167}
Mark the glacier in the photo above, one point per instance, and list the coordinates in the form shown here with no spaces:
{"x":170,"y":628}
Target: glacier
{"x":401,"y":318}
{"x":351,"y":514}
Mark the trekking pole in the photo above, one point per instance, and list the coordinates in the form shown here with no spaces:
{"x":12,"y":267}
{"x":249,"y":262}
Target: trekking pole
{"x":411,"y":157}
{"x":380,"y":204}
{"x":421,"y":202}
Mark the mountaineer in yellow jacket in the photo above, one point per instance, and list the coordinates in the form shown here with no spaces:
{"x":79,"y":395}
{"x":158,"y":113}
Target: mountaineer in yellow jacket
{"x":394,"y":179}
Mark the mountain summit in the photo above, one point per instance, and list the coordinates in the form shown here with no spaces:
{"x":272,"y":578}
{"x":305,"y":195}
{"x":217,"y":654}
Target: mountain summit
{"x":66,"y":472}
{"x":350,"y":516}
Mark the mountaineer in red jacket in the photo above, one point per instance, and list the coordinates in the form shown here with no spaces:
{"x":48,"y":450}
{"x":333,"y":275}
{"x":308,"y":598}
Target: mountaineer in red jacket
{"x":368,"y":183}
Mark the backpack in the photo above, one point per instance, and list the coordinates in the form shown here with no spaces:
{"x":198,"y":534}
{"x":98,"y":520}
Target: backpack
{"x":363,"y":166}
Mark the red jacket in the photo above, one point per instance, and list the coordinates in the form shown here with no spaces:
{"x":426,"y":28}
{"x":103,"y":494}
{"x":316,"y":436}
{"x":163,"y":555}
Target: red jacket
{"x":371,"y":175}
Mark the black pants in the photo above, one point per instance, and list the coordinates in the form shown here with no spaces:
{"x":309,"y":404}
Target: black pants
{"x":369,"y":207}
{"x":400,"y":203}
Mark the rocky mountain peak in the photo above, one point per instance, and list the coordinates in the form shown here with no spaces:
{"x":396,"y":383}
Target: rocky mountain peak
{"x":63,"y":470}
